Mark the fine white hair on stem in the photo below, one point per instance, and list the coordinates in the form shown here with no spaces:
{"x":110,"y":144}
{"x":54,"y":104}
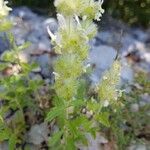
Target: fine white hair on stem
{"x":56,"y":75}
{"x":53,"y":37}
{"x":101,"y":1}
{"x":61,"y":21}
{"x":77,"y":19}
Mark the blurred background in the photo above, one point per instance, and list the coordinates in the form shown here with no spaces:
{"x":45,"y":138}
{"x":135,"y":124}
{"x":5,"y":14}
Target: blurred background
{"x":133,"y":12}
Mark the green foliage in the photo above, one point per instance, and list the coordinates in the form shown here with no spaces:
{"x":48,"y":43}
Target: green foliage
{"x":127,"y":125}
{"x":143,"y":81}
{"x":134,"y":12}
{"x":16,"y":87}
{"x":16,"y":95}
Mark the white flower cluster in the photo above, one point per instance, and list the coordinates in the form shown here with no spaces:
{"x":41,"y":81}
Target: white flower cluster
{"x":4,"y":10}
{"x":90,"y":9}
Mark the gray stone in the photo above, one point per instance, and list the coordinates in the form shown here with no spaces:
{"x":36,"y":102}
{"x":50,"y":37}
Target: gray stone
{"x":102,"y":57}
{"x":94,"y":143}
{"x":126,"y":73}
{"x":4,"y":146}
{"x":140,"y":35}
{"x":47,"y":81}
{"x":137,"y":146}
{"x":24,"y":13}
{"x":128,"y":43}
{"x":38,"y":134}
{"x":145,"y":99}
{"x":30,"y":27}
{"x":4,"y":43}
{"x":46,"y":72}
{"x":52,"y":23}
{"x":43,"y":60}
{"x":37,"y":77}
{"x":44,"y":44}
{"x":141,"y":147}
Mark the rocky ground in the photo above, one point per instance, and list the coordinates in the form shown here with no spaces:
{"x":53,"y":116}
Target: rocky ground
{"x":132,"y":44}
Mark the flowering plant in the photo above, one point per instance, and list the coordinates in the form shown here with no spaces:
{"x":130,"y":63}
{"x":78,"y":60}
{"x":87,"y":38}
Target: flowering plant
{"x":76,"y":113}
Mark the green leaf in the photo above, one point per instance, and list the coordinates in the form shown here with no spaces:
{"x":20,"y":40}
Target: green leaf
{"x":12,"y":142}
{"x":94,"y":106}
{"x":4,"y":134}
{"x":93,"y":131}
{"x":2,"y":66}
{"x":55,"y":138}
{"x":34,"y":85}
{"x":9,"y":56}
{"x":78,"y":126}
{"x":103,"y":118}
{"x":28,"y":68}
{"x":24,"y":46}
{"x":55,"y":112}
{"x":70,"y":144}
{"x":81,"y":89}
{"x":77,"y":103}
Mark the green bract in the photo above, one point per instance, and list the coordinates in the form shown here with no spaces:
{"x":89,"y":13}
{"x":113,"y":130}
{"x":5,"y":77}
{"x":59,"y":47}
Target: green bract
{"x":109,"y":84}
